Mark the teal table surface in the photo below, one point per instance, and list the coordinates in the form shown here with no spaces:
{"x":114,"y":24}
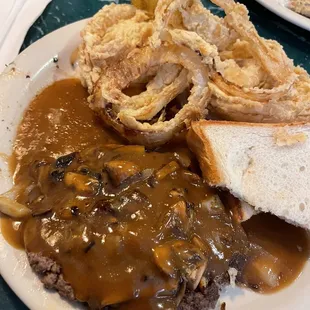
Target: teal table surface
{"x":59,"y":13}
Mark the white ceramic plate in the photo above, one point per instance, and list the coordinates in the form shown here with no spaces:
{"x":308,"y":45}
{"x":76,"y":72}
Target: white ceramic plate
{"x":279,"y":7}
{"x":16,"y":91}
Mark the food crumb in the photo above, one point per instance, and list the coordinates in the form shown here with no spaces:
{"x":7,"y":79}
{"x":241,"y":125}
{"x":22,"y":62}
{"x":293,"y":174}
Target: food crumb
{"x":284,"y":138}
{"x":223,"y":306}
{"x":232,"y":276}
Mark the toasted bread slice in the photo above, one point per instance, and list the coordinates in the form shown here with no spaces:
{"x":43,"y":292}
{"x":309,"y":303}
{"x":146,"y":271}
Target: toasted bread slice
{"x":266,"y":165}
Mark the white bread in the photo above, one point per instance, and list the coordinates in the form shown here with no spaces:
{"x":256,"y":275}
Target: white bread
{"x":266,"y":165}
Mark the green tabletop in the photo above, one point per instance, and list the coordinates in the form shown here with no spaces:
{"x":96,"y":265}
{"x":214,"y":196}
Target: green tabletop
{"x":59,"y":13}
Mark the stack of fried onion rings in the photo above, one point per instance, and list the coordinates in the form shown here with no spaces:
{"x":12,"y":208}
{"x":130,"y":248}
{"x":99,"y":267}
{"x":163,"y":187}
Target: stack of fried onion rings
{"x":229,"y":69}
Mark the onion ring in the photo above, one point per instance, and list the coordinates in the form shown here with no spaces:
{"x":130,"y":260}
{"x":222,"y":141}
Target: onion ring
{"x":115,"y":30}
{"x":232,"y":70}
{"x":246,"y":78}
{"x":108,"y":96}
{"x":270,"y":53}
{"x":191,"y":15}
{"x":276,"y":103}
{"x":293,"y":106}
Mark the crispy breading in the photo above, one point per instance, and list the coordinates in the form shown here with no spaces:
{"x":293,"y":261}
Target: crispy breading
{"x":231,"y":70}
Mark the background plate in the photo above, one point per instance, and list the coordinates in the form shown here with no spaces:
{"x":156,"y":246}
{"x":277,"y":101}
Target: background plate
{"x":278,"y":7}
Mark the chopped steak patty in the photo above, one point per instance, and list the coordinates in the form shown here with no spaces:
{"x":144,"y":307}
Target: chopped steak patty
{"x":206,"y":298}
{"x":195,"y":300}
{"x":51,"y":276}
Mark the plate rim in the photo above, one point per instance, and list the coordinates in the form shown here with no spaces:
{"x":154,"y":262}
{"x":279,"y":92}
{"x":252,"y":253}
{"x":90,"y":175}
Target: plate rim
{"x":21,"y":66}
{"x":285,"y":13}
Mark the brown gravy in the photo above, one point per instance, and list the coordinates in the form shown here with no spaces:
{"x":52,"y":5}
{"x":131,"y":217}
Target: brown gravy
{"x":280,"y":240}
{"x":58,"y":121}
{"x":11,"y":231}
{"x":108,"y":258}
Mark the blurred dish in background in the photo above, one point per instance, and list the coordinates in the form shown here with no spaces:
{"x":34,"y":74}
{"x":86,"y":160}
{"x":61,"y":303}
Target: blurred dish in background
{"x":280,"y":7}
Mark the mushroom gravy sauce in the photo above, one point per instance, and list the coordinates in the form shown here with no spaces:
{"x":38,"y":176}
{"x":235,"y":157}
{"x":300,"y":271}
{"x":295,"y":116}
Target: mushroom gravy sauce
{"x":131,"y":227}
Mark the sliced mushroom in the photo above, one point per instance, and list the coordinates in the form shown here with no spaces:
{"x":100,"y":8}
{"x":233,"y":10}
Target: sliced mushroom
{"x":165,"y":259}
{"x":264,"y":272}
{"x":66,"y":213}
{"x":66,"y":160}
{"x":181,"y":258}
{"x":191,"y":177}
{"x":214,"y":205}
{"x":185,"y":212}
{"x":13,"y":209}
{"x":177,"y":221}
{"x":128,"y":183}
{"x":131,"y":149}
{"x":35,"y":166}
{"x":120,"y":170}
{"x":111,"y":146}
{"x":241,"y":211}
{"x":192,"y":262}
{"x":183,"y":158}
{"x":177,"y":193}
{"x":194,"y":274}
{"x":42,"y":208}
{"x":87,"y":171}
{"x":57,"y":175}
{"x":124,"y":206}
{"x":166,"y":170}
{"x":200,"y":244}
{"x":43,"y":178}
{"x":97,"y":152}
{"x":35,"y":195}
{"x":181,"y":292}
{"x":83,"y":184}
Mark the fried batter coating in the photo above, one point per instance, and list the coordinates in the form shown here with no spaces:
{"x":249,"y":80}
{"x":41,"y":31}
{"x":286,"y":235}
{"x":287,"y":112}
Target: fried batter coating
{"x":229,"y":69}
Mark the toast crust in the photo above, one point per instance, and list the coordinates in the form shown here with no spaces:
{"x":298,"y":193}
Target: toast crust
{"x":279,"y":184}
{"x":200,"y":145}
